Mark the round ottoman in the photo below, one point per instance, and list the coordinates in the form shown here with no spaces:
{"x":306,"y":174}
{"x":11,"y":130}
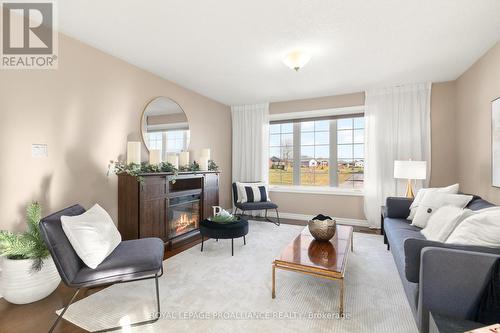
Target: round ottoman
{"x":218,"y":231}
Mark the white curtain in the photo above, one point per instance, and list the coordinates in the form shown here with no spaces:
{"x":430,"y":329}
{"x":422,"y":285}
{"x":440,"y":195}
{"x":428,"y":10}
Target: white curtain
{"x":397,"y":127}
{"x":250,"y":142}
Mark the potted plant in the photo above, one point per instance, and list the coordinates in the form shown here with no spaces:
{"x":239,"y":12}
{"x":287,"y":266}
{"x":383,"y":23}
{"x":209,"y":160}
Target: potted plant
{"x":28,"y":271}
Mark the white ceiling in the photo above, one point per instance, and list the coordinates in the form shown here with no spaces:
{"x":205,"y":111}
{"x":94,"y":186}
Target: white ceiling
{"x":231,"y":50}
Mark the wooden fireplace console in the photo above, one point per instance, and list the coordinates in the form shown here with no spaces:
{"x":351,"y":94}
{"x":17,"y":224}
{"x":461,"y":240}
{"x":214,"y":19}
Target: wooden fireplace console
{"x":143,"y":207}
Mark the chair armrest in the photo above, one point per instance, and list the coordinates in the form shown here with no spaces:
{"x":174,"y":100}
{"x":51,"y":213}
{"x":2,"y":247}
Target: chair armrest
{"x":414,"y":248}
{"x":398,"y":207}
{"x":452,"y":282}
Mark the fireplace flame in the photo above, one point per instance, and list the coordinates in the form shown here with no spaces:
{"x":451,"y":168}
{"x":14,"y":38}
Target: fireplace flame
{"x":184,"y":222}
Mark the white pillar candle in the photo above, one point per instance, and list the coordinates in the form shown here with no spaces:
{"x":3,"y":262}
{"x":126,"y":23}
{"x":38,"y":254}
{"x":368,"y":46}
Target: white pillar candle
{"x":205,"y":153}
{"x":174,"y":160}
{"x":204,"y":163}
{"x":133,"y":152}
{"x":155,"y":156}
{"x":184,"y":158}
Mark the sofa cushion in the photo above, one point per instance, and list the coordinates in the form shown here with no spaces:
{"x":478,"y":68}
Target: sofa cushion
{"x":477,"y":203}
{"x":452,"y":189}
{"x":397,"y":207}
{"x":480,"y":229}
{"x":434,"y":200}
{"x":256,"y":205}
{"x":397,"y":230}
{"x":442,"y":223}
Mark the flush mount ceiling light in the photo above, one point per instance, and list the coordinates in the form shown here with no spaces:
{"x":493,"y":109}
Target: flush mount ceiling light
{"x":296,"y":60}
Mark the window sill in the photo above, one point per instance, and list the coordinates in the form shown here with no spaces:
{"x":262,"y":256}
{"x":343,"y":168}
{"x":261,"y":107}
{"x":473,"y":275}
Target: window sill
{"x":316,"y":190}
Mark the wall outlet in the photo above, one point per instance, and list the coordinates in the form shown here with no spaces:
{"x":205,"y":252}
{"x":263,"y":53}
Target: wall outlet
{"x":39,"y":150}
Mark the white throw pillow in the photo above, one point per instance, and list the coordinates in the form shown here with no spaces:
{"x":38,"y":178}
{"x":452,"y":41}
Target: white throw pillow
{"x":92,"y":234}
{"x":452,"y":189}
{"x":481,"y":229}
{"x":442,"y":223}
{"x":255,"y":192}
{"x":434,"y":200}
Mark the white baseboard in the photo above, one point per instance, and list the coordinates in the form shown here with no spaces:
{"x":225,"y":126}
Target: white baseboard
{"x":304,"y":217}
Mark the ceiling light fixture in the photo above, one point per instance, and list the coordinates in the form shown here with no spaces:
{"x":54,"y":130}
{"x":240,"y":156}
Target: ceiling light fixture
{"x":296,"y":60}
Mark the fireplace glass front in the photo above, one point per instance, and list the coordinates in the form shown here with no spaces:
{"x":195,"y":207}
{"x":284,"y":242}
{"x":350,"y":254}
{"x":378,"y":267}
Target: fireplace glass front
{"x":183,"y":214}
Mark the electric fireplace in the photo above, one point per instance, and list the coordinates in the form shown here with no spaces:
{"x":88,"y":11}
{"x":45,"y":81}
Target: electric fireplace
{"x":183,"y":215}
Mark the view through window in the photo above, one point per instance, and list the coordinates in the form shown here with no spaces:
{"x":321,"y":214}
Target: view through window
{"x":324,"y":152}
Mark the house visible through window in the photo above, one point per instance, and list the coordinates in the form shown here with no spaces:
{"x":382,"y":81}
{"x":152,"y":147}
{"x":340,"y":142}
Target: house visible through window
{"x":281,"y":154}
{"x":317,"y":152}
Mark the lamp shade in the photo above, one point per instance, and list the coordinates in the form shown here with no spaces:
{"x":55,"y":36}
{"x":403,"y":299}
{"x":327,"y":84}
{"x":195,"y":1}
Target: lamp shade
{"x":410,"y":169}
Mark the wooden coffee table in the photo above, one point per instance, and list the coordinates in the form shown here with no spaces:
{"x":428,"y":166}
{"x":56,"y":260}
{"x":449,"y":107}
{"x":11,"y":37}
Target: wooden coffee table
{"x":321,"y":259}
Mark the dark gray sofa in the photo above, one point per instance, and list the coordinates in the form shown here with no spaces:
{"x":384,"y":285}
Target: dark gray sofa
{"x":443,"y":278}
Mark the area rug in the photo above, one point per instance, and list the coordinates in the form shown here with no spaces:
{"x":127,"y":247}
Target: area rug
{"x":211,"y":291}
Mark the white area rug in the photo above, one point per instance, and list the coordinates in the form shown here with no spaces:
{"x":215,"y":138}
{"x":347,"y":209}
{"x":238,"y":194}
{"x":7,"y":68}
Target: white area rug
{"x":215,"y":284}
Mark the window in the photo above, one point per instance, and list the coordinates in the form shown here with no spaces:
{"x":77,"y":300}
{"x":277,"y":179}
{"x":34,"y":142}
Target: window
{"x":350,"y":152}
{"x":281,"y":153}
{"x":317,"y":152}
{"x":176,"y":140}
{"x":155,"y":140}
{"x":168,"y":141}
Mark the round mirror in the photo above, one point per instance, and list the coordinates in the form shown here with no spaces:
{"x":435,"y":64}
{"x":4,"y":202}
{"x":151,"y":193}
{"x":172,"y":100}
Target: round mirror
{"x":165,"y":127}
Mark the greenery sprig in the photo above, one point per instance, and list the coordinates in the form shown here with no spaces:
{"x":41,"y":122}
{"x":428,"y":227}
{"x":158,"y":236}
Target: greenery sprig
{"x":212,"y":166}
{"x":195,"y":166}
{"x":135,"y":170}
{"x":27,"y":245}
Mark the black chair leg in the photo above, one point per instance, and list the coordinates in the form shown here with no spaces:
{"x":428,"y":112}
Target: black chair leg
{"x":269,"y":220}
{"x":278,"y":216}
{"x":244,"y":241}
{"x":63,"y":311}
{"x":201,"y":243}
{"x":232,"y":247}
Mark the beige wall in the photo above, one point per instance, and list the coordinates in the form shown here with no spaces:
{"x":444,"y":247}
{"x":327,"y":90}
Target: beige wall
{"x":476,"y":88}
{"x":344,"y":206}
{"x":443,"y":134}
{"x":86,"y":111}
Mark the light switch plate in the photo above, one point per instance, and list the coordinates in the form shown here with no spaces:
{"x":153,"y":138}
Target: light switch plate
{"x":39,"y":150}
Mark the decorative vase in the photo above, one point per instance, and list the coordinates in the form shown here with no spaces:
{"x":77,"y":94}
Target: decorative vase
{"x":322,"y":227}
{"x":20,"y":285}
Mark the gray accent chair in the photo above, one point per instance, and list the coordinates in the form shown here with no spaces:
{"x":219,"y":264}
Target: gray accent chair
{"x":437,"y":277}
{"x":132,"y":260}
{"x":249,"y":206}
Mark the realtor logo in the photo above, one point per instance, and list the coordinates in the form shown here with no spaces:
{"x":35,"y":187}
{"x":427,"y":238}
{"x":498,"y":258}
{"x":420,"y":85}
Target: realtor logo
{"x":29,"y":37}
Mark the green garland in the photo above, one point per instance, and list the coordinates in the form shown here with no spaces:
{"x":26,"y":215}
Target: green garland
{"x":135,"y":170}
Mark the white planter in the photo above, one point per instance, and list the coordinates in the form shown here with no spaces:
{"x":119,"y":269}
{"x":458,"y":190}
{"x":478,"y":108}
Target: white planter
{"x":19,"y":285}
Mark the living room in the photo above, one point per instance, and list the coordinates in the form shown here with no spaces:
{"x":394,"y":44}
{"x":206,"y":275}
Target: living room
{"x":250,"y":166}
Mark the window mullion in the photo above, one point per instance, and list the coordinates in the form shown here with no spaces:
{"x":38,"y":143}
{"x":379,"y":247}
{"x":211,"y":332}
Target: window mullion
{"x":296,"y":153}
{"x":333,"y":163}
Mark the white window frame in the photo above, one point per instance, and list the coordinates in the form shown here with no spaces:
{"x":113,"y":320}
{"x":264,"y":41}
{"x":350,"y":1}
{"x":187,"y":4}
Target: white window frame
{"x":325,"y":190}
